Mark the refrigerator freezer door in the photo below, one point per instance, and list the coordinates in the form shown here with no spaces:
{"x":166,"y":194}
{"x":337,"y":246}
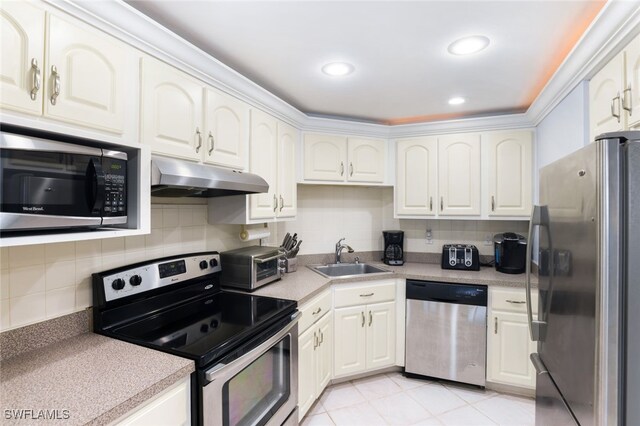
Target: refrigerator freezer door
{"x":568,"y":286}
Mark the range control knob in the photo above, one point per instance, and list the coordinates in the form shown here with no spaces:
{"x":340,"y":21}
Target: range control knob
{"x":204,"y":264}
{"x":118,"y":284}
{"x":213,"y":263}
{"x":135,"y":280}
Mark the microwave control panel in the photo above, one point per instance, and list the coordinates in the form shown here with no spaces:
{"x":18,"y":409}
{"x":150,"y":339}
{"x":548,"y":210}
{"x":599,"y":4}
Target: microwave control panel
{"x":115,"y":186}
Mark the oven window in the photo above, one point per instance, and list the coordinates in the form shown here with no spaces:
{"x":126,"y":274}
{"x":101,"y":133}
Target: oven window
{"x":253,"y":395}
{"x":266,"y":269}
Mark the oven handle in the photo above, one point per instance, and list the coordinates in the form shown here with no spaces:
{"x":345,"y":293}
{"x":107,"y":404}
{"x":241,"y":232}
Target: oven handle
{"x":277,"y":256}
{"x":218,"y":370}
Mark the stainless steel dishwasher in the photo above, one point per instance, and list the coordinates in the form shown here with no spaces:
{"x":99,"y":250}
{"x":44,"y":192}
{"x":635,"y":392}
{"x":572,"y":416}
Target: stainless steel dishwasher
{"x":446,"y":333}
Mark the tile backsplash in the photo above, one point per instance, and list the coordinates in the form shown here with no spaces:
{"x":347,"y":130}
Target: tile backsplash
{"x":360,"y":214}
{"x":45,"y":281}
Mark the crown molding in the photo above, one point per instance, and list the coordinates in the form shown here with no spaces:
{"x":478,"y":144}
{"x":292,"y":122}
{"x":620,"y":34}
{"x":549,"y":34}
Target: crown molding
{"x":615,"y":25}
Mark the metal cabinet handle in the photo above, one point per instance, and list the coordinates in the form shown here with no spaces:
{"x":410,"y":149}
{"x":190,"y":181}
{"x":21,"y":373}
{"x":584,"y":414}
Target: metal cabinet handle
{"x":613,"y":102}
{"x":211,"y":143}
{"x":516,"y":302}
{"x":317,"y":311}
{"x":350,"y":169}
{"x":430,"y":204}
{"x":495,"y":325}
{"x":341,"y":168}
{"x":367,"y":294}
{"x":370,"y":318}
{"x":36,"y":78}
{"x":321,"y":337}
{"x":281,"y":202}
{"x":624,"y":100}
{"x":315,"y":340}
{"x":441,"y":203}
{"x":493,"y":203}
{"x":362,"y":313}
{"x":275,"y":203}
{"x":56,"y":84}
{"x":199,"y":139}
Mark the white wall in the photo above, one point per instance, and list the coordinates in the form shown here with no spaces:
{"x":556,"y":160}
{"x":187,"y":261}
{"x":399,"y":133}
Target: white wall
{"x":564,"y":130}
{"x":44,"y":281}
{"x":360,"y":214}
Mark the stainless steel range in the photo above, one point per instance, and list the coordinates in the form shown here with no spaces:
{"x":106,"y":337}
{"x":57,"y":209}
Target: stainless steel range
{"x":244,"y":346}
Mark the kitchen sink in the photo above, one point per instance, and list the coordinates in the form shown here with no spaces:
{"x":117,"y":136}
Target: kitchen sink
{"x":348,"y":269}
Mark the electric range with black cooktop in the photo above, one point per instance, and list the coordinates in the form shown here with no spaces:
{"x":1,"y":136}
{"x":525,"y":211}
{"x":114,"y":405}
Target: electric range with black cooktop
{"x":244,"y":346}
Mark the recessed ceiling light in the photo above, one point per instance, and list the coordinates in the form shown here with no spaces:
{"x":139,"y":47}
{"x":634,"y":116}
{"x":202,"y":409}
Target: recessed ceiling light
{"x":337,"y":69}
{"x":456,"y":101}
{"x":468,"y":45}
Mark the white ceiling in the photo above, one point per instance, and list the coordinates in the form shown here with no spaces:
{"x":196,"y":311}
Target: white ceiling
{"x":403,"y":72}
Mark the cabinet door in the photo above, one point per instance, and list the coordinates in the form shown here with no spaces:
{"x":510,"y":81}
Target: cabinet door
{"x":417,"y":178}
{"x":632,"y":88}
{"x":86,"y":76}
{"x":170,"y":407}
{"x":459,"y":174}
{"x":287,"y":185}
{"x":349,"y":340}
{"x":263,"y":153}
{"x":226,"y":122}
{"x":367,"y":158}
{"x":307,"y":346}
{"x":21,"y":56}
{"x":171,"y":114}
{"x":510,"y":177}
{"x":324,"y":354}
{"x":381,"y":335}
{"x":324,"y":157}
{"x":605,"y":109}
{"x":509,"y":348}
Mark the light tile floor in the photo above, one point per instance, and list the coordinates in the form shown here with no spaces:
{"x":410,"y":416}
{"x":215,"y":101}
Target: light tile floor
{"x":392,"y":399}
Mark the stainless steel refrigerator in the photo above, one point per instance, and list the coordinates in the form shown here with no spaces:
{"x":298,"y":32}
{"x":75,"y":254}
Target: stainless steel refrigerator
{"x":588,"y":320}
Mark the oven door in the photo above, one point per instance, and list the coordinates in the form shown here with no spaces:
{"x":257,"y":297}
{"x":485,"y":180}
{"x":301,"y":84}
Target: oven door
{"x":49,"y":184}
{"x":259,"y":387}
{"x":266,"y":270}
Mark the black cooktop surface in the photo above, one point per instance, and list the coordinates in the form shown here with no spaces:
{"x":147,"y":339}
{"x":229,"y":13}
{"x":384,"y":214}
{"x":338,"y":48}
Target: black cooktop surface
{"x":209,"y":327}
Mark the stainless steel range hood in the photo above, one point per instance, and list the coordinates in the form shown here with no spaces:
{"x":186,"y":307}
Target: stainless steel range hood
{"x":179,"y":178}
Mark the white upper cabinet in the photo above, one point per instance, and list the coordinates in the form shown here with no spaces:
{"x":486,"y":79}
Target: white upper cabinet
{"x":416,"y":176}
{"x":325,"y":157}
{"x":510,"y":173}
{"x":85,"y":76}
{"x":225,"y":127}
{"x":287,"y":185}
{"x":614,"y":93}
{"x":459,"y":174}
{"x":72,"y":73}
{"x":21,"y":56}
{"x":605,"y":98}
{"x":171,"y":119}
{"x":631,"y":93}
{"x":366,"y":160}
{"x":263,"y":162}
{"x":332,"y":158}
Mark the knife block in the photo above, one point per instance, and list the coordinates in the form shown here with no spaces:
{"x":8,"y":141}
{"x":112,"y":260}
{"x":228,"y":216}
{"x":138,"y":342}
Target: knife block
{"x":291,"y":264}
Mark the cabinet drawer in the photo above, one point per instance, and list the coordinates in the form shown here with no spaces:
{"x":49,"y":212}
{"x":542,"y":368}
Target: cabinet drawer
{"x":364,"y":294}
{"x":313,"y":310}
{"x":513,"y":300}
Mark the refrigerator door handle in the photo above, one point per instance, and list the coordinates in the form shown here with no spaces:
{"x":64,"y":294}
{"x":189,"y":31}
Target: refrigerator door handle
{"x":537,"y":364}
{"x":539,"y":217}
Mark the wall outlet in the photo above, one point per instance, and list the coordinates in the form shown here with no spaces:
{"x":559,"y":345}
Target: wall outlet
{"x":488,"y":240}
{"x":429,"y":236}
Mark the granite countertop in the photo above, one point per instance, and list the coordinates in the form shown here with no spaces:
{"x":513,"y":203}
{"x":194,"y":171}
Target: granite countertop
{"x":96,"y":378}
{"x":304,"y":284}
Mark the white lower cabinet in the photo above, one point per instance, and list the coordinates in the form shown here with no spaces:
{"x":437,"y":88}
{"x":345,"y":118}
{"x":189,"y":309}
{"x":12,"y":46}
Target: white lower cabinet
{"x":365,"y":333}
{"x":508,"y":342}
{"x":170,"y":407}
{"x":315,"y":351}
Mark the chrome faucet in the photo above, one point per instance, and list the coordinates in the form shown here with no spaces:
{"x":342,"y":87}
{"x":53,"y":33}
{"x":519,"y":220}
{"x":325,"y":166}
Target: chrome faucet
{"x":340,"y":247}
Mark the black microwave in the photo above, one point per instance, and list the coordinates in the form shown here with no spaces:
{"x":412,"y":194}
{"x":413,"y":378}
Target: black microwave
{"x":47,"y":184}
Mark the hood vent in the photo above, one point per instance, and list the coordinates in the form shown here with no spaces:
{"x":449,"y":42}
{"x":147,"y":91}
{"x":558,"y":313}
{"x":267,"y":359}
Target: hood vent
{"x":178,"y":178}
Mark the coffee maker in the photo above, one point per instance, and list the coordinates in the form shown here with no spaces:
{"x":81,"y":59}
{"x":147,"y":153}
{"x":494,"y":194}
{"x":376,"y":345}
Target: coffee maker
{"x":510,"y":252}
{"x":393,"y":247}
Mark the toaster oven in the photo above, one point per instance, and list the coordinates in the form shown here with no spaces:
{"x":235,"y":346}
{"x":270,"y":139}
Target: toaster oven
{"x":249,"y":268}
